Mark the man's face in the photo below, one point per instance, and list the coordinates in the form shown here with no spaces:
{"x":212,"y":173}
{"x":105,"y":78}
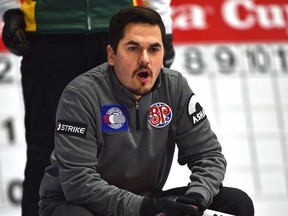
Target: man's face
{"x":139,"y":57}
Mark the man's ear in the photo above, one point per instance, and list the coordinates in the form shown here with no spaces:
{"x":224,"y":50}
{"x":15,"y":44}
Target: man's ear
{"x":110,"y":55}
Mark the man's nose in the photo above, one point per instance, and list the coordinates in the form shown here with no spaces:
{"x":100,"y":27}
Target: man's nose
{"x":144,"y":58}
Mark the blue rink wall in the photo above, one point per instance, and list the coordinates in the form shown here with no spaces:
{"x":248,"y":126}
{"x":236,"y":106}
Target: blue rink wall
{"x":243,"y":89}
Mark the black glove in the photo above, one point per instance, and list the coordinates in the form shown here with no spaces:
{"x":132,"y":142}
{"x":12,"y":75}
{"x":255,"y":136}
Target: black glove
{"x":170,"y":52}
{"x":194,"y":199}
{"x":13,"y":34}
{"x":155,"y":206}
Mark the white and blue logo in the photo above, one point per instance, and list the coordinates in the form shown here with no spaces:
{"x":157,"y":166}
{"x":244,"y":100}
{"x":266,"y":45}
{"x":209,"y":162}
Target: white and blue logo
{"x":114,"y":118}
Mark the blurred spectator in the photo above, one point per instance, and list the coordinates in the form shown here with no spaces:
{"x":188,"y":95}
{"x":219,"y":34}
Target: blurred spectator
{"x":57,"y":42}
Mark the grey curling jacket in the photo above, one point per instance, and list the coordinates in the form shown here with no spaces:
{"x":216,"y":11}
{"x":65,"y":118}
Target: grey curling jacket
{"x":111,"y":150}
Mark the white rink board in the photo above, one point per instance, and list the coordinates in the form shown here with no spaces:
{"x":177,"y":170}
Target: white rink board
{"x":243,"y":89}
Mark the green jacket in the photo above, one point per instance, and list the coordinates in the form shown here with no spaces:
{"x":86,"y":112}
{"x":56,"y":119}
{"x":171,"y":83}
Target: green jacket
{"x":79,"y":16}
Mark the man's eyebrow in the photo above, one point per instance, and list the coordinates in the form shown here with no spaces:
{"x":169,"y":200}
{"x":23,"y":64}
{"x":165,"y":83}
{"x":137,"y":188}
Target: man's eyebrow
{"x":131,"y":42}
{"x":135,"y":43}
{"x":155,"y":45}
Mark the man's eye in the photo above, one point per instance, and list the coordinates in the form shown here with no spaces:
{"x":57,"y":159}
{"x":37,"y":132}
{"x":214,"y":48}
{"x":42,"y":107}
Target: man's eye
{"x":133,"y":48}
{"x":154,"y":49}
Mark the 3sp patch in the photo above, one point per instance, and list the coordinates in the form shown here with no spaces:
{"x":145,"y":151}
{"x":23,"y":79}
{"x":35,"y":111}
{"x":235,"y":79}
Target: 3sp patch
{"x":160,"y":115}
{"x":114,"y":118}
{"x":195,"y":111}
{"x":71,"y":128}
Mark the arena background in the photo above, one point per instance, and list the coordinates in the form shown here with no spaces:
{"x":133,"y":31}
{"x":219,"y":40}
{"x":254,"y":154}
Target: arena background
{"x":234,"y":54}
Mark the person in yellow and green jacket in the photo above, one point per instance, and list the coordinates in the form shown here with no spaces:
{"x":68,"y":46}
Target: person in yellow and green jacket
{"x":58,"y":40}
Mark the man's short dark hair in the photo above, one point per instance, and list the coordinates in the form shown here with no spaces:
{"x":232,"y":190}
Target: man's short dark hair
{"x":134,"y":14}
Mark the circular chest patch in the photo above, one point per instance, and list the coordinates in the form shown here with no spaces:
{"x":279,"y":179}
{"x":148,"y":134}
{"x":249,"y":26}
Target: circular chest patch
{"x":160,"y":115}
{"x":114,"y":118}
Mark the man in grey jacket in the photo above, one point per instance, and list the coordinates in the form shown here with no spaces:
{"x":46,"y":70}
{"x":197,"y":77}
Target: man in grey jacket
{"x":117,"y":128}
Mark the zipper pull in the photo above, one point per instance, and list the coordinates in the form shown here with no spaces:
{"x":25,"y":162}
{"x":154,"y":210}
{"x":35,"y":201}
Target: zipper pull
{"x":137,"y":115}
{"x":137,"y":105}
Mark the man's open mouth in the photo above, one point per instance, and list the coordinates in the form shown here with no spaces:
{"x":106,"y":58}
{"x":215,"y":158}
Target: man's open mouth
{"x":143,"y":74}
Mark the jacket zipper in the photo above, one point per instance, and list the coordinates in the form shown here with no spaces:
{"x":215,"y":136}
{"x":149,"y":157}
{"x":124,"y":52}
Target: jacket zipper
{"x":137,"y":115}
{"x":88,"y":15}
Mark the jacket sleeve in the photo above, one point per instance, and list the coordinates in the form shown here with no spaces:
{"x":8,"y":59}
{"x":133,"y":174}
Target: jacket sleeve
{"x":198,"y":145}
{"x":8,"y":4}
{"x":164,"y":9}
{"x":77,"y":160}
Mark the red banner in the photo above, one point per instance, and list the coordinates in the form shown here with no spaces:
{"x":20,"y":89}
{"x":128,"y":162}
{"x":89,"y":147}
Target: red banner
{"x":204,"y":21}
{"x":230,"y":20}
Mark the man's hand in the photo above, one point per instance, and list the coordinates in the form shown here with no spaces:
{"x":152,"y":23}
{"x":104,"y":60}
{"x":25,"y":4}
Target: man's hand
{"x":193,"y":199}
{"x":162,"y":206}
{"x":13,"y":34}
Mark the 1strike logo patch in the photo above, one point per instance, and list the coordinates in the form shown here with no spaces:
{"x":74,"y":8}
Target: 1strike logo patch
{"x":195,"y":111}
{"x":71,"y":128}
{"x":160,"y":115}
{"x":114,"y":118}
